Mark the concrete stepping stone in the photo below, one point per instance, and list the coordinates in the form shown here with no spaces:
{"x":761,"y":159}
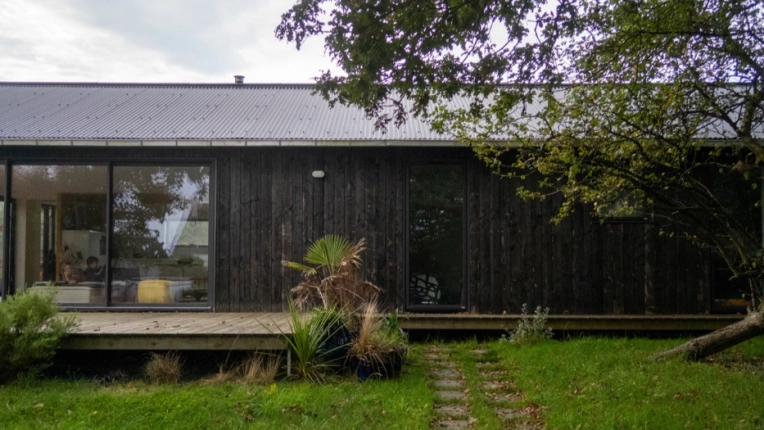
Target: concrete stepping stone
{"x":446,"y":364}
{"x":451,"y":395}
{"x":435,"y":356}
{"x":496,"y":385}
{"x":446,"y":374}
{"x":454,"y":424}
{"x":488,"y":366}
{"x":508,"y":414}
{"x":495,"y":375}
{"x":448,"y":383}
{"x":452,"y":411}
{"x":504,"y":398}
{"x":480,"y":351}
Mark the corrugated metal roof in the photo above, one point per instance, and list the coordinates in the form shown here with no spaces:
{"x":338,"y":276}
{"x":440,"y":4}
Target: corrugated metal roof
{"x":156,"y":112}
{"x":206,"y":114}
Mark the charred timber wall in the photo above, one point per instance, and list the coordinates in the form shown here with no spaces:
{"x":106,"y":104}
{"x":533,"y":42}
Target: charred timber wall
{"x":269,"y":209}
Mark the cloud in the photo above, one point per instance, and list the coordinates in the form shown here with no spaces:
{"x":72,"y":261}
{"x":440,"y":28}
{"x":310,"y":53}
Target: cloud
{"x":151,"y":41}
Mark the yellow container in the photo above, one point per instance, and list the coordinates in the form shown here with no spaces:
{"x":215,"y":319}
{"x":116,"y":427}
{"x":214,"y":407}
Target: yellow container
{"x":154,"y":291}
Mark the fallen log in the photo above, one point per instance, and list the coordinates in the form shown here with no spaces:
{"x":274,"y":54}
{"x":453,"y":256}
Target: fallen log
{"x":719,"y":340}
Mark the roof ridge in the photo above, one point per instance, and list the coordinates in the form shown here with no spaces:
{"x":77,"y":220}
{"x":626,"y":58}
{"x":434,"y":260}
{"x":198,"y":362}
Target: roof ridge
{"x":156,"y":84}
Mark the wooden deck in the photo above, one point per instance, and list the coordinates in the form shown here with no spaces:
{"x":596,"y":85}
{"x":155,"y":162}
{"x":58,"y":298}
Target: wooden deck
{"x":263,"y":331}
{"x":179,"y":331}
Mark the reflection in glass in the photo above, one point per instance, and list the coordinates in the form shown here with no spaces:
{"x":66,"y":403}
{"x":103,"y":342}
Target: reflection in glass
{"x":160,"y":241}
{"x":436,"y":234}
{"x":58,"y":233}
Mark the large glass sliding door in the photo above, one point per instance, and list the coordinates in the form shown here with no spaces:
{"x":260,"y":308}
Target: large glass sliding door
{"x":437,"y":236}
{"x":107,"y":234}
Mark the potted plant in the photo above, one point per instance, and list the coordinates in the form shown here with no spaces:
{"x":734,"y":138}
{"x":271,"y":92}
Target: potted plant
{"x":380,"y":346}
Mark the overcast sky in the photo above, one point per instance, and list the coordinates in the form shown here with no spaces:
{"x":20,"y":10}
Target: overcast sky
{"x":151,"y":41}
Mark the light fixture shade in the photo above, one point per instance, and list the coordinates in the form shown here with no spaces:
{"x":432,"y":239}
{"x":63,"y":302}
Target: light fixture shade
{"x":318,"y":174}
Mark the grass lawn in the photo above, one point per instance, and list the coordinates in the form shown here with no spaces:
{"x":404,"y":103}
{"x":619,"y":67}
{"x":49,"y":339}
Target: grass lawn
{"x":592,"y":383}
{"x":587,"y":383}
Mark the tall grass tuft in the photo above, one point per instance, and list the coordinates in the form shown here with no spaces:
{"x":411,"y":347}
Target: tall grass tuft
{"x":256,"y":368}
{"x":164,"y":368}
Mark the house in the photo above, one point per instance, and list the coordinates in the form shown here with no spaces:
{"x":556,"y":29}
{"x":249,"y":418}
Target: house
{"x":188,"y":197}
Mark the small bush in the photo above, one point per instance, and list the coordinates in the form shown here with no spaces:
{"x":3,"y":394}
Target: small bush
{"x":30,"y":332}
{"x":530,"y":329}
{"x":164,"y":368}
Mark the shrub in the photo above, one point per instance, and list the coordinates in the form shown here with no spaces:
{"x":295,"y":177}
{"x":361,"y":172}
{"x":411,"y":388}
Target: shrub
{"x":530,"y":329}
{"x":310,"y":333}
{"x":30,"y":332}
{"x":164,"y":368}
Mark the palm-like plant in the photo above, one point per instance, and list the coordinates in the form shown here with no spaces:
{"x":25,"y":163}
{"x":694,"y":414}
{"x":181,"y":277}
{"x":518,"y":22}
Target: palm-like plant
{"x":330,"y":275}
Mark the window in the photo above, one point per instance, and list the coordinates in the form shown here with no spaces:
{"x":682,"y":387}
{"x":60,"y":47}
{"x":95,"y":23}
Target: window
{"x":59,"y":231}
{"x":160,"y":251}
{"x":436,"y":235}
{"x":144,"y":241}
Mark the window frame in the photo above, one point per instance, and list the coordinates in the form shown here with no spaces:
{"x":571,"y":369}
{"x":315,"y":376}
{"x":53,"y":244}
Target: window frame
{"x":7,"y":287}
{"x":464,"y":305}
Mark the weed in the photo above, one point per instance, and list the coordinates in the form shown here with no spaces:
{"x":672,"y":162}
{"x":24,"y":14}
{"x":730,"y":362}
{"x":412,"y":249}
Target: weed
{"x":529,"y":329}
{"x":259,"y":369}
{"x":164,"y":368}
{"x":256,"y":368}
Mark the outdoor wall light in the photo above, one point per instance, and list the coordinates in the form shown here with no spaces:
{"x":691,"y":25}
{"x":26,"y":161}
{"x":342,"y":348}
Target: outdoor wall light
{"x":318,"y":174}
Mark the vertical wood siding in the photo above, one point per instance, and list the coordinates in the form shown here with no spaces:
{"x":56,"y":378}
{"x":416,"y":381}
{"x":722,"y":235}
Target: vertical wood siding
{"x":269,"y":209}
{"x":516,"y":255}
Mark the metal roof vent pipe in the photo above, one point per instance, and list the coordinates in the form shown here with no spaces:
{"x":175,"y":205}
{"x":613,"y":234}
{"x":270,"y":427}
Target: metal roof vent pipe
{"x":238,"y":79}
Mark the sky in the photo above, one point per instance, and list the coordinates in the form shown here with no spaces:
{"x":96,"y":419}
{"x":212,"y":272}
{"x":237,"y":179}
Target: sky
{"x":199,"y":41}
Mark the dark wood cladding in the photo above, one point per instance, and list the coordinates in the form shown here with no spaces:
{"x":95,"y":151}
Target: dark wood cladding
{"x":269,"y":208}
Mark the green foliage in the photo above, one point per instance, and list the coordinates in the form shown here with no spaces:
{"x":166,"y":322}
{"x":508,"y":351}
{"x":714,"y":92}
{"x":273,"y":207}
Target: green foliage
{"x":30,"y":331}
{"x":333,"y":279}
{"x":530,"y":329}
{"x":310,"y":332}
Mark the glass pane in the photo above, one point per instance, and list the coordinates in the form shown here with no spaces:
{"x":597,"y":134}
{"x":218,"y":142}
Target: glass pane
{"x":436,"y":234}
{"x":2,"y":230}
{"x":59,"y":231}
{"x":160,"y":247}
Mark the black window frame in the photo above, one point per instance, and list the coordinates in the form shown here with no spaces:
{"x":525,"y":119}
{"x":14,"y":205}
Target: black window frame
{"x":464,"y":306}
{"x":7,"y":287}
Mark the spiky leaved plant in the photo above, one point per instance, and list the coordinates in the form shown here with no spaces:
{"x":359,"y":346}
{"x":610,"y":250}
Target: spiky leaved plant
{"x":330,"y":276}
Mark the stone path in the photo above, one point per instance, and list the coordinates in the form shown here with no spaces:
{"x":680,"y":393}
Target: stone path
{"x":452,"y":407}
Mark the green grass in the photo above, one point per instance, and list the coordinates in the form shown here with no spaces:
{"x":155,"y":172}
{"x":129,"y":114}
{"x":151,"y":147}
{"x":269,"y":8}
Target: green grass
{"x":587,"y":383}
{"x":593,"y":383}
{"x":398,"y":404}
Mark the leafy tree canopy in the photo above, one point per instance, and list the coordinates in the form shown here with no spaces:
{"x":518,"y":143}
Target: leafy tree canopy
{"x":606,"y":99}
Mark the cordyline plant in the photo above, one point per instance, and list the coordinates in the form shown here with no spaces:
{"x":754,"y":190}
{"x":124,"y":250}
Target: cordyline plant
{"x":330,"y":276}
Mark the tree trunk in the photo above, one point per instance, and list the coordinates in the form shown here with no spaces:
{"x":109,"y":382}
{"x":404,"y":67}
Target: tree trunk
{"x":719,"y":340}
